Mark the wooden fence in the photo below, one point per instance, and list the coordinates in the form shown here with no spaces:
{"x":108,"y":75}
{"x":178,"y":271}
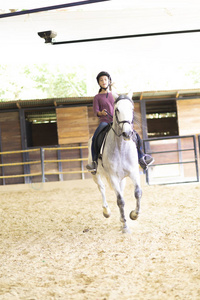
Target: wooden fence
{"x":39,"y":162}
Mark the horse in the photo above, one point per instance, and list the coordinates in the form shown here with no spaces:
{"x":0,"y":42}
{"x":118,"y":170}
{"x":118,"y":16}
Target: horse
{"x":119,"y":159}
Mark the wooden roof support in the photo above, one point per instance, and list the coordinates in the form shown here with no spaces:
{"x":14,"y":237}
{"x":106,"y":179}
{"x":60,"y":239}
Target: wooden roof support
{"x":55,"y":103}
{"x":177,"y":94}
{"x":18,"y":105}
{"x":141,"y":96}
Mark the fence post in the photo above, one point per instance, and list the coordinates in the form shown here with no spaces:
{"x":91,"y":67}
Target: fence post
{"x":146,"y":172}
{"x":25,"y":155}
{"x":42,"y":163}
{"x":195,"y":153}
{"x":180,"y":155}
{"x":2,"y":168}
{"x":82,"y":168}
{"x":59,"y":164}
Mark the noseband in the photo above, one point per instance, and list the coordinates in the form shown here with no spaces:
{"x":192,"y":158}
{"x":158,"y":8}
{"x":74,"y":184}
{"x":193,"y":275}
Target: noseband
{"x":122,"y":97}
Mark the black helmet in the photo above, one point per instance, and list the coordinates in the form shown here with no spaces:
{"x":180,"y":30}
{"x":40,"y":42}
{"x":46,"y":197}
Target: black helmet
{"x":103,"y":73}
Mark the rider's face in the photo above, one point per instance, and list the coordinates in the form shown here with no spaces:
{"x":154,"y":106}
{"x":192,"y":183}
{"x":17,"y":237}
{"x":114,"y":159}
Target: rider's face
{"x":103,"y":81}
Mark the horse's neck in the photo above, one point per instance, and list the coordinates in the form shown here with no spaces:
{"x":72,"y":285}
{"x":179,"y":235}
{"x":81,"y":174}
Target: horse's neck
{"x":115,"y":127}
{"x":117,"y":139}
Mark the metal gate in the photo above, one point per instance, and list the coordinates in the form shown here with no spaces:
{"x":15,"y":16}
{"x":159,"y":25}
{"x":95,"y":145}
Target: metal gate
{"x":175,"y":159}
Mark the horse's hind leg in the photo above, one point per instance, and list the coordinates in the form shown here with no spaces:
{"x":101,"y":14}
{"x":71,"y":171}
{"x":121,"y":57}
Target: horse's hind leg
{"x":101,"y":187}
{"x":138,"y":194}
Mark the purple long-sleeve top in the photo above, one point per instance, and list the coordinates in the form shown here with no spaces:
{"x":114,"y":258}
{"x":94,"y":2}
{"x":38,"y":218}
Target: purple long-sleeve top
{"x":101,"y":102}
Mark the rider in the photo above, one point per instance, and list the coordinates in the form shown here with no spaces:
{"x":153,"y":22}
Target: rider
{"x":103,"y":107}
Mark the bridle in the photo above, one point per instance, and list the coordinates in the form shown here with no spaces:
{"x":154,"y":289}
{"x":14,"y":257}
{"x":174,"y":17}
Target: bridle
{"x":122,"y":97}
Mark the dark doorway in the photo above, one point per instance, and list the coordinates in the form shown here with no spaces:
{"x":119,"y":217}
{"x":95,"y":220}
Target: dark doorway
{"x":161,"y":118}
{"x":41,"y":128}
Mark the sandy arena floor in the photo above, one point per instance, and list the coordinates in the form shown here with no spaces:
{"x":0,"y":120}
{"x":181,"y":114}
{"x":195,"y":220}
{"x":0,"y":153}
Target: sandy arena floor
{"x":56,"y":244}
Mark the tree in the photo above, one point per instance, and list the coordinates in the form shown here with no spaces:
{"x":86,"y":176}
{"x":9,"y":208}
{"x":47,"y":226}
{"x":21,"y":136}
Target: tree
{"x":41,"y":81}
{"x":11,"y":86}
{"x":58,"y":83}
{"x":195,"y":75}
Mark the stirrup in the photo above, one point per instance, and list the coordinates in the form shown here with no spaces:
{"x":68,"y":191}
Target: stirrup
{"x":92,"y":167}
{"x":145,"y":161}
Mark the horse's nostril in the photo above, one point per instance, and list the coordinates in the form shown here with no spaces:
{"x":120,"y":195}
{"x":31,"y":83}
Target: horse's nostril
{"x":126,"y":135}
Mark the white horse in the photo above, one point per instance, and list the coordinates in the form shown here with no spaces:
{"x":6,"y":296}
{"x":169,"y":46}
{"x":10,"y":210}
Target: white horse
{"x":119,"y":159}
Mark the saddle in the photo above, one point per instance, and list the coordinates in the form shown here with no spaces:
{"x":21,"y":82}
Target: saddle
{"x":99,"y":140}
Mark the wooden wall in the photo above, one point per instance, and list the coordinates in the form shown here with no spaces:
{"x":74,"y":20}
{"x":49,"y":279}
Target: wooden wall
{"x":188,"y":116}
{"x":72,"y":125}
{"x":11,"y":141}
{"x":75,"y":125}
{"x":188,"y":112}
{"x":93,"y":121}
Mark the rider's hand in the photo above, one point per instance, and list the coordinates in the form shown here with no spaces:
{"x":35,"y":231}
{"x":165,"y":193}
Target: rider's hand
{"x":104,"y":112}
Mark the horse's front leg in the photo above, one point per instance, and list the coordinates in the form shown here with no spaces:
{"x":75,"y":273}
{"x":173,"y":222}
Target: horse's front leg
{"x":101,"y":187}
{"x":121,"y":203}
{"x":118,"y":188}
{"x":138,"y":194}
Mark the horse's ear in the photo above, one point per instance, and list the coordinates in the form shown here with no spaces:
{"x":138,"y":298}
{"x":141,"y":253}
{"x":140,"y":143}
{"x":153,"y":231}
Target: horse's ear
{"x":130,"y":94}
{"x":115,"y":95}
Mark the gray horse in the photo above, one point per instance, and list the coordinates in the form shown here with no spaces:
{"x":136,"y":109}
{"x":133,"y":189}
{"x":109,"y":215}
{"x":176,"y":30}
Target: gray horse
{"x":119,"y":159}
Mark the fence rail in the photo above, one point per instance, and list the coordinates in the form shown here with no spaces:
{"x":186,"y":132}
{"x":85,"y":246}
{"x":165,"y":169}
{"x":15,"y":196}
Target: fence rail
{"x":177,"y":166}
{"x":42,"y":162}
{"x":185,"y":146}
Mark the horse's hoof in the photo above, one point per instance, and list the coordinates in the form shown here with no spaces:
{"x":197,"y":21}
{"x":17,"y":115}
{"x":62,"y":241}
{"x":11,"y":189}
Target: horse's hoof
{"x":133,"y":215}
{"x":106,"y":212}
{"x":125,"y":229}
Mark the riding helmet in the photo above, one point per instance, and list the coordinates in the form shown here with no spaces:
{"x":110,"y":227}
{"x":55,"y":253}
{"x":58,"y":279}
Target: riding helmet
{"x":103,"y":73}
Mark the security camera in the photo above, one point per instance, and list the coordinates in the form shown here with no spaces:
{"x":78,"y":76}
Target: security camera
{"x":47,"y":35}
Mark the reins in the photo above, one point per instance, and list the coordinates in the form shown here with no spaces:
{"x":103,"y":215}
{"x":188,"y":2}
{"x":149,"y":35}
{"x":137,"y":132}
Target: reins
{"x":111,"y":125}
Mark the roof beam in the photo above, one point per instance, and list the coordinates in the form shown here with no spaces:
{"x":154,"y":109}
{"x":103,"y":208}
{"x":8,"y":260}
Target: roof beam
{"x":126,"y":36}
{"x":35,"y":10}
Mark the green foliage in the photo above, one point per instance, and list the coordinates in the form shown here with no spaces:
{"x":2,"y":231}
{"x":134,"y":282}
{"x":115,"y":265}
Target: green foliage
{"x":41,"y":81}
{"x":57,"y":84}
{"x":195,"y":75}
{"x":11,"y":86}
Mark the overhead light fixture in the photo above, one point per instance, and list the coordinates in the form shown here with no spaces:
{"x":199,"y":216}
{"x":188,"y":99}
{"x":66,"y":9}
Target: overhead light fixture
{"x":47,"y":35}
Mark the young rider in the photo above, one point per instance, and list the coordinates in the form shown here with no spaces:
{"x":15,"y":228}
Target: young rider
{"x":103,"y":107}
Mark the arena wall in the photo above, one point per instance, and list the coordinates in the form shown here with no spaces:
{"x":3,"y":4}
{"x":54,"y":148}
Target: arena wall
{"x":74,"y":123}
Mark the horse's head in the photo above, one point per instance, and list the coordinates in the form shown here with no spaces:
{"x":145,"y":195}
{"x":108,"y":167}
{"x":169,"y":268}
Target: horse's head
{"x":123,"y":116}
